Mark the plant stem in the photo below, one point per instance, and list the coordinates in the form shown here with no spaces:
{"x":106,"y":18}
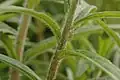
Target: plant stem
{"x":14,"y":74}
{"x":57,"y":59}
{"x":22,"y":36}
{"x":20,"y":41}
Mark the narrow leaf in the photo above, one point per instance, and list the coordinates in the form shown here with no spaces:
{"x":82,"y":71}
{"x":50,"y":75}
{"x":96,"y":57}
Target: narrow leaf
{"x":69,"y":74}
{"x":105,"y":14}
{"x":19,"y":66}
{"x":105,"y":45}
{"x":93,"y":29}
{"x":8,"y":45}
{"x":4,"y":17}
{"x":7,"y":29}
{"x":109,"y":31}
{"x":41,"y":16}
{"x":83,"y":9}
{"x":39,"y":48}
{"x":8,"y":2}
{"x":33,"y":3}
{"x":55,"y":1}
{"x":99,"y":61}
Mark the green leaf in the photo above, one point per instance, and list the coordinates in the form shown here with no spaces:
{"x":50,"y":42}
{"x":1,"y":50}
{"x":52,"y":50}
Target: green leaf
{"x":83,"y":9}
{"x":93,"y":30}
{"x":33,"y":3}
{"x":8,"y":2}
{"x":69,"y":74}
{"x":105,"y":14}
{"x":105,"y":45}
{"x":8,"y":45}
{"x":41,"y":16}
{"x":116,"y":58}
{"x":3,"y":66}
{"x":99,"y":61}
{"x":19,"y":66}
{"x":109,"y":31}
{"x":82,"y":67}
{"x":7,"y":29}
{"x":85,"y":42}
{"x":55,"y":1}
{"x":39,"y":48}
{"x":4,"y":17}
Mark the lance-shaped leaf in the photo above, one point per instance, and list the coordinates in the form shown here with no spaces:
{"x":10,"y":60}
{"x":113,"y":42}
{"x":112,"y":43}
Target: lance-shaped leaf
{"x":55,"y":1}
{"x":41,"y":16}
{"x":6,"y":16}
{"x":8,"y":45}
{"x":99,"y":61}
{"x":110,"y":32}
{"x":83,"y":9}
{"x":9,"y":2}
{"x":90,"y":29}
{"x":19,"y":66}
{"x":7,"y":29}
{"x":39,"y":48}
{"x":105,"y":14}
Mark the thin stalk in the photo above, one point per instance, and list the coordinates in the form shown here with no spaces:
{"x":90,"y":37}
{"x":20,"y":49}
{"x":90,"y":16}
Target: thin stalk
{"x":14,"y":74}
{"x":22,"y":36}
{"x":20,"y":41}
{"x":57,"y":56}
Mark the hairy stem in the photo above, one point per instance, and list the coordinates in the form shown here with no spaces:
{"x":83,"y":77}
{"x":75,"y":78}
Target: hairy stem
{"x":57,"y":57}
{"x":20,"y":41}
{"x":22,"y":36}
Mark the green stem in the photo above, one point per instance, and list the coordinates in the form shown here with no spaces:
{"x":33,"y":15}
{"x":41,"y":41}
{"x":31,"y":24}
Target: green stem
{"x":20,"y":41}
{"x":14,"y":74}
{"x":22,"y":36}
{"x":57,"y":59}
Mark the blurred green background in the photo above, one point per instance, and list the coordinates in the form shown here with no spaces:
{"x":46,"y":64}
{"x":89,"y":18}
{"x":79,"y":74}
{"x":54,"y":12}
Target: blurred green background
{"x":72,"y":68}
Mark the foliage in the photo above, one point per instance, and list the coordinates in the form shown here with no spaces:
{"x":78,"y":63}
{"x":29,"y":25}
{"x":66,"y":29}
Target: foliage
{"x":66,"y":39}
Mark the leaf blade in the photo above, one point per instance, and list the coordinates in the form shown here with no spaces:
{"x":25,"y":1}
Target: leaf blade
{"x":99,"y":61}
{"x":39,"y":49}
{"x":105,"y":14}
{"x":110,"y":32}
{"x":7,"y":29}
{"x":19,"y":66}
{"x":55,"y":28}
{"x":8,"y":45}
